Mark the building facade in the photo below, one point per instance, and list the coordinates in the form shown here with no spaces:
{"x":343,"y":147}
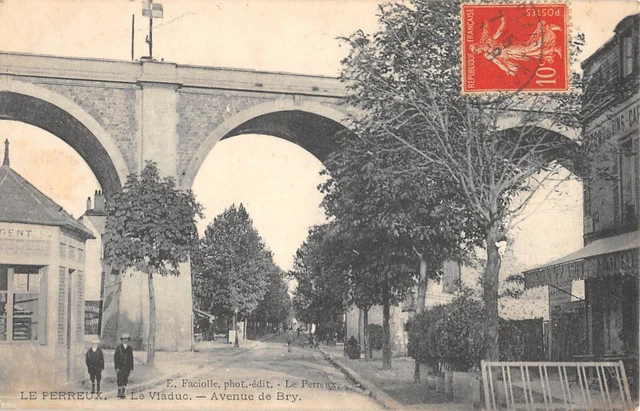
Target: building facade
{"x":608,"y":264}
{"x":42,"y":253}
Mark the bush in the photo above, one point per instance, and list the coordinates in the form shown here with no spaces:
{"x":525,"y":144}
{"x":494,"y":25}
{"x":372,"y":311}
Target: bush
{"x":422,"y":338}
{"x":353,"y":348}
{"x":511,"y":341}
{"x":452,"y":335}
{"x":375,"y":336}
{"x":449,"y":334}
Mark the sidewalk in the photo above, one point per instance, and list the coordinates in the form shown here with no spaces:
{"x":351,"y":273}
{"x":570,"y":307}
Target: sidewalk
{"x":394,"y":388}
{"x":168,"y":365}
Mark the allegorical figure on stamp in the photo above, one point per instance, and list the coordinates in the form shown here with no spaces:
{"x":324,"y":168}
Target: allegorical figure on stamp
{"x":123,"y":360}
{"x":95,"y":364}
{"x":506,"y":51}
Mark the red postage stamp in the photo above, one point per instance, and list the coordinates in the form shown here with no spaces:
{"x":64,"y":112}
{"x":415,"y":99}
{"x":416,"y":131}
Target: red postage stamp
{"x":515,"y":47}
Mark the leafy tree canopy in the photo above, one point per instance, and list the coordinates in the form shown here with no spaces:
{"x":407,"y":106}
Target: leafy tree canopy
{"x":232,"y":265}
{"x":151,"y":224}
{"x":275,"y":306}
{"x":321,"y":292}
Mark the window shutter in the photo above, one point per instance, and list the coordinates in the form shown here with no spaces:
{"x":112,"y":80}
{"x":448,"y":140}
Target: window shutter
{"x":636,"y":176}
{"x":586,"y":197}
{"x":616,"y":189}
{"x":42,"y":306}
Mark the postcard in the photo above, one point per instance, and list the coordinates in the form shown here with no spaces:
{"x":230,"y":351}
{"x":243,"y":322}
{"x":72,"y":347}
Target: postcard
{"x":319,"y":204}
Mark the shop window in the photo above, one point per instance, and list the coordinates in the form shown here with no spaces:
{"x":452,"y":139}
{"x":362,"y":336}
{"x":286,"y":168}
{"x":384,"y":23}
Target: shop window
{"x":19,"y":300}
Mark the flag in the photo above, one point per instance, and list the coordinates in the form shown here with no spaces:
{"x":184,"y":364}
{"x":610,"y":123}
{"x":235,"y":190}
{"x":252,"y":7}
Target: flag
{"x":154,"y":11}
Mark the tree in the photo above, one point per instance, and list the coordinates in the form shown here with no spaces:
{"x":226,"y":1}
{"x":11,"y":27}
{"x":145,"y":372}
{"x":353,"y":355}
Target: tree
{"x":231,"y":265}
{"x":420,"y":214}
{"x":150,"y":227}
{"x":275,"y":306}
{"x":404,"y":84}
{"x":343,"y":253}
{"x":321,"y":295}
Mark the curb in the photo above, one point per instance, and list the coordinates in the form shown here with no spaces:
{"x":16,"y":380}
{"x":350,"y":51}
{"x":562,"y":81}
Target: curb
{"x":371,"y":389}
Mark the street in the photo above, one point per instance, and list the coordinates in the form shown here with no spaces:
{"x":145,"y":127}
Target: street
{"x":263,"y":377}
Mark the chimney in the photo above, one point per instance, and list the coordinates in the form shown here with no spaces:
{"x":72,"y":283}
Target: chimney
{"x":98,"y":202}
{"x":88,"y":203}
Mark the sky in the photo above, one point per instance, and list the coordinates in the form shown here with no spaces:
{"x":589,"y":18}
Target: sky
{"x":272,"y":35}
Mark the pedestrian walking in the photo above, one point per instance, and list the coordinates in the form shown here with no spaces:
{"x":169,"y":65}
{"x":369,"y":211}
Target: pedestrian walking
{"x":123,"y":360}
{"x":95,"y":364}
{"x":290,"y":339}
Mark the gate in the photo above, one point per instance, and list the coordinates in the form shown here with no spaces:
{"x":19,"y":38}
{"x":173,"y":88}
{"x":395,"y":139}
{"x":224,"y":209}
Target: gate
{"x":555,"y":385}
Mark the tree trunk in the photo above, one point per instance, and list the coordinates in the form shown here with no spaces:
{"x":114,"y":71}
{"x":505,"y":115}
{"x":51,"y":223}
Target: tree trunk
{"x":448,"y":383}
{"x":367,"y":346}
{"x":386,"y":334}
{"x":151,"y":341}
{"x":361,"y":331}
{"x":235,"y":329}
{"x":420,"y":303}
{"x":491,"y":348}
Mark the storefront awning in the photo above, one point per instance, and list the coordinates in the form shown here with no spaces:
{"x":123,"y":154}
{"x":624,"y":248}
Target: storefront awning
{"x":606,"y":256}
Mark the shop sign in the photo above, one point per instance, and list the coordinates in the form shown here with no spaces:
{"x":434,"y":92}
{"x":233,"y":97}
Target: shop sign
{"x":625,"y":263}
{"x":623,"y":121}
{"x":92,"y":312}
{"x":19,"y":232}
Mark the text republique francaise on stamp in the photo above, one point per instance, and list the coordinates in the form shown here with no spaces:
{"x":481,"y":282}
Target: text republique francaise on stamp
{"x":515,"y":47}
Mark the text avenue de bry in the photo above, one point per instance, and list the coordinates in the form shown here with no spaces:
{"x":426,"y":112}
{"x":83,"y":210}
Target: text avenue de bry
{"x":185,"y":389}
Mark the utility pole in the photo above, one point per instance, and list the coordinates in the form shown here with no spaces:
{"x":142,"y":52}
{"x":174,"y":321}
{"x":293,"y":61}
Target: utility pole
{"x":151,"y":10}
{"x":133,"y":33}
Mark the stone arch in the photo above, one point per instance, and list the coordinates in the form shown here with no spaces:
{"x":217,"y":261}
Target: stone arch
{"x":514,"y":121}
{"x":68,"y":121}
{"x":263,"y":119}
{"x":562,"y":140}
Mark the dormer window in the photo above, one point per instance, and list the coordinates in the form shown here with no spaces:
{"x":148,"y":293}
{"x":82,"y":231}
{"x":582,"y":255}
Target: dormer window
{"x":628,"y":55}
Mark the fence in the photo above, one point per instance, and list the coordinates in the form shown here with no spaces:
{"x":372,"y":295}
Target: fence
{"x":556,"y":385}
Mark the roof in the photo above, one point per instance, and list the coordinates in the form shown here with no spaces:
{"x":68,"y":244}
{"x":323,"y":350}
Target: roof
{"x":21,"y":202}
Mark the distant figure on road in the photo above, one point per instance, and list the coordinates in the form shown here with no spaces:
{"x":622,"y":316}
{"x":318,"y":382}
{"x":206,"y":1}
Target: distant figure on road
{"x":123,"y":359}
{"x":290,"y":339}
{"x":95,"y":364}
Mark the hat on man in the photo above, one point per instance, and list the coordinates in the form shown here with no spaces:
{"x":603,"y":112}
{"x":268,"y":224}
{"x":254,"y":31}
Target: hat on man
{"x":125,"y":336}
{"x":95,"y":340}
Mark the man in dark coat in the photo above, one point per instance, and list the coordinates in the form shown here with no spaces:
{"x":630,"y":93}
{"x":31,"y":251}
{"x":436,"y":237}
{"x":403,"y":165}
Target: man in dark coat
{"x":290,"y":339}
{"x":123,"y":360}
{"x":95,"y":364}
